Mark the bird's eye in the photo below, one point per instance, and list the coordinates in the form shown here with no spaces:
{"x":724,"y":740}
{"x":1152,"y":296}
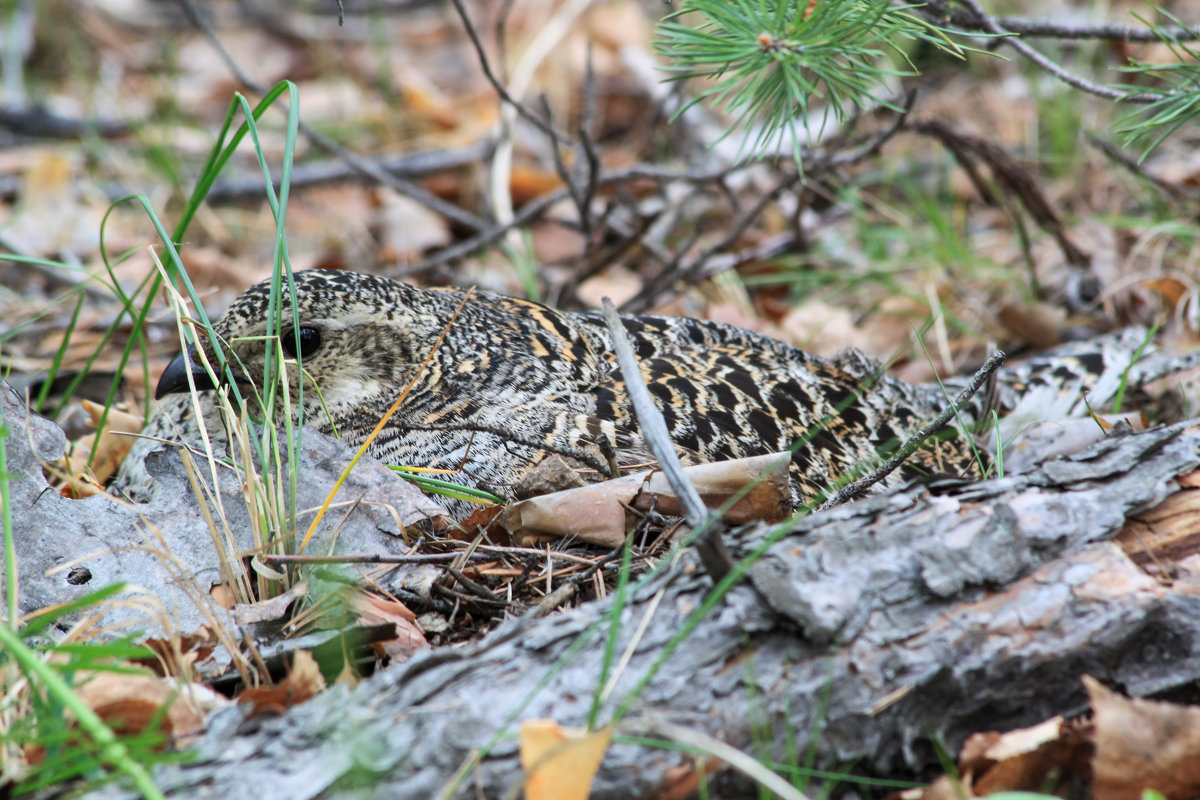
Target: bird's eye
{"x":306,"y":341}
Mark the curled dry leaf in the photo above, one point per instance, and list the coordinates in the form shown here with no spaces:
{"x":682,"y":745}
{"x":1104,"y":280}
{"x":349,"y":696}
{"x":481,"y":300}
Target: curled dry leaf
{"x":1128,"y":747}
{"x":269,"y":610}
{"x":303,"y":682}
{"x":1171,"y":289}
{"x":1023,"y":760}
{"x":374,"y":610}
{"x":110,"y":451}
{"x":596,"y":514}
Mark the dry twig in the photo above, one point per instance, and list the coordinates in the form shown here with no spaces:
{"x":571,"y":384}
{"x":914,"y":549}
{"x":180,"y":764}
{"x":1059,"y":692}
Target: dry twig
{"x":858,"y":487}
{"x":709,"y":543}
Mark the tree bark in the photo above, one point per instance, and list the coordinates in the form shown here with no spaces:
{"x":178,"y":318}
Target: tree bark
{"x":880,"y":629}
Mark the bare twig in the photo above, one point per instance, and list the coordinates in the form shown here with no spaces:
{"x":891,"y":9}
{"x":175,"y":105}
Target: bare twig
{"x":319,"y":173}
{"x":568,"y":588}
{"x":1010,"y":175}
{"x":373,"y":558}
{"x":679,"y":271}
{"x":39,"y":122}
{"x":938,"y":11}
{"x":873,"y":146}
{"x":474,"y":587}
{"x":858,"y":487}
{"x":709,"y":543}
{"x":1119,"y":156}
{"x":542,"y":125}
{"x":587,"y":156}
{"x":989,"y":24}
{"x":535,"y":208}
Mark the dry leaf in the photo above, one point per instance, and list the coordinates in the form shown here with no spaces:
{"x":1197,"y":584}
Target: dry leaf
{"x":110,"y":451}
{"x":560,"y":763}
{"x":618,"y":283}
{"x":374,"y":610}
{"x":1171,"y":289}
{"x":595,"y":513}
{"x":53,"y":215}
{"x":528,"y":183}
{"x":1037,"y":324}
{"x":269,"y":610}
{"x":406,"y":229}
{"x":1025,"y":759}
{"x":303,"y":682}
{"x":1143,"y":744}
{"x":129,"y":703}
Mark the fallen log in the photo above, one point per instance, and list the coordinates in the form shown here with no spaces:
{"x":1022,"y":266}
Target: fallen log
{"x":875,"y":633}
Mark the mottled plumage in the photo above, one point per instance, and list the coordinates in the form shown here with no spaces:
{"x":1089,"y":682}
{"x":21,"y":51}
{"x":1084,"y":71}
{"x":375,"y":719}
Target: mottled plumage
{"x":514,"y":381}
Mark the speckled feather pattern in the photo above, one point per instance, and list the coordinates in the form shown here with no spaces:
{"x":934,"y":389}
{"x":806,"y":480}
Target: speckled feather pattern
{"x":514,"y":380}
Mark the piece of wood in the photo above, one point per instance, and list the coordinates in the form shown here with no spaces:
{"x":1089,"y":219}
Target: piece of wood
{"x":881,"y":626}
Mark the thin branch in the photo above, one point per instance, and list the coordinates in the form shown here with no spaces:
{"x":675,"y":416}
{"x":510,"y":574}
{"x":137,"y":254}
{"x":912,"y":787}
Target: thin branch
{"x":1010,"y":175}
{"x":709,"y":543}
{"x":319,"y":173}
{"x":39,"y":122}
{"x":535,"y":208}
{"x":587,"y":156}
{"x":873,"y":146}
{"x":859,"y":487}
{"x":939,"y":12}
{"x":664,"y":279}
{"x":542,"y":125}
{"x":374,"y":558}
{"x":989,"y":24}
{"x":1123,"y":159}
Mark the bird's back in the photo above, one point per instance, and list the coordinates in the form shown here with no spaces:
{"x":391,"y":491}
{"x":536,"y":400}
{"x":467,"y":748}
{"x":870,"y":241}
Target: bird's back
{"x":726,"y":392}
{"x":512,"y":381}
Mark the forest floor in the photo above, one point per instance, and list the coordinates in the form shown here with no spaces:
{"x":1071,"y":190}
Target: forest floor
{"x":998,"y":210}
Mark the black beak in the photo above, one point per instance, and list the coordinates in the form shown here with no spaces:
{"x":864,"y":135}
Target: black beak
{"x":174,"y":379}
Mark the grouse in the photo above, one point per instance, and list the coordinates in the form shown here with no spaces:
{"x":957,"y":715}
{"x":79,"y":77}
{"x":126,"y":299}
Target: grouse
{"x":512,"y":381}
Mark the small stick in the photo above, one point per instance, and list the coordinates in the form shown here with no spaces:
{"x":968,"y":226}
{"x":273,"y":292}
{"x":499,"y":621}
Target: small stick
{"x":374,"y":558}
{"x":856,"y":489}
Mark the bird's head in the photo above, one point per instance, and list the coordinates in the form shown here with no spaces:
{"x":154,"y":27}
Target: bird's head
{"x":356,"y":337}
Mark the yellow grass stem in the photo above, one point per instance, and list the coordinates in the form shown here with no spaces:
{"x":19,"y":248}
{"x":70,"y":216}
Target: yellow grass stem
{"x":382,"y":421}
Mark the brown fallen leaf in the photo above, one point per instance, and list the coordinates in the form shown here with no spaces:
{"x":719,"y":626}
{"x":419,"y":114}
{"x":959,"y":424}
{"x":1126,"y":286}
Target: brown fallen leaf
{"x":1171,"y":289}
{"x":482,"y":521}
{"x":303,"y":682}
{"x":1025,"y":759}
{"x":129,"y":703}
{"x":374,"y":610}
{"x":110,"y":451}
{"x":596,"y":513}
{"x":528,"y":183}
{"x":560,"y":763}
{"x":1143,"y":744}
{"x":1037,"y":324}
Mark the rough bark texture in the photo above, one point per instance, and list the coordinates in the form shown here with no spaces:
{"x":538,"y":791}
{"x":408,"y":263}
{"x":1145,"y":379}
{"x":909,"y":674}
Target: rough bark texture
{"x":917,"y":616}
